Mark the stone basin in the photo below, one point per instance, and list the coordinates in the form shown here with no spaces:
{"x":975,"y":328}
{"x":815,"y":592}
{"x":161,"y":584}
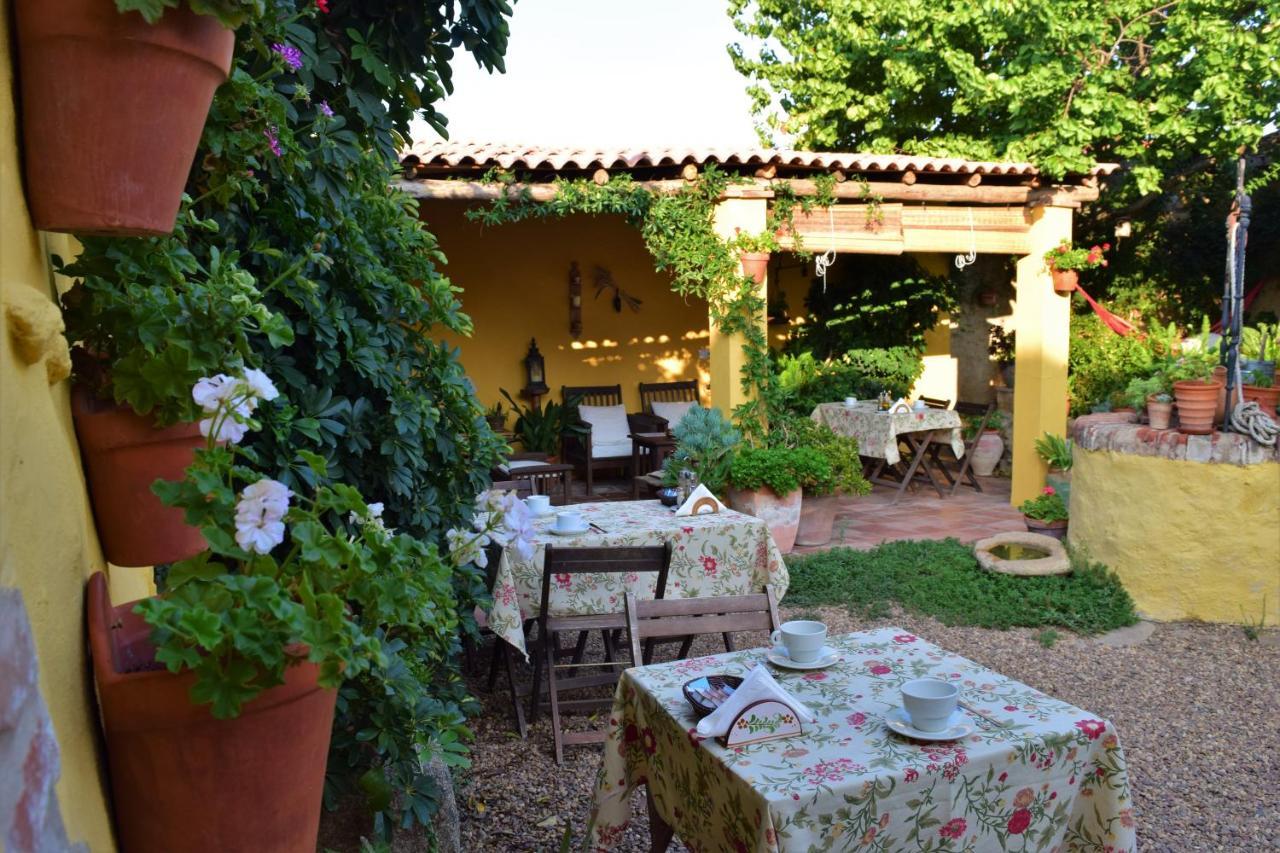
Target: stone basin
{"x":1022,"y":553}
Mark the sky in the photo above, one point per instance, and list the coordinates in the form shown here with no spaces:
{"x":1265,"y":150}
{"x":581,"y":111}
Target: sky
{"x":607,"y":73}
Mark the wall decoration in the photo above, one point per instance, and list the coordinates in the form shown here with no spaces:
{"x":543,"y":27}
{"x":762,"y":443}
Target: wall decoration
{"x":605,"y":282}
{"x":575,"y":301}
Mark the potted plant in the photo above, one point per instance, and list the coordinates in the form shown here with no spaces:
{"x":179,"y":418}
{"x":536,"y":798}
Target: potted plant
{"x":765,"y":482}
{"x":821,"y":494}
{"x":989,"y":448}
{"x":705,"y":443}
{"x":539,"y":427}
{"x":496,"y":417}
{"x":146,"y":320}
{"x":1260,"y":388}
{"x":1002,"y":346}
{"x":1056,"y":453}
{"x":1046,"y":514}
{"x":1259,"y":349}
{"x":1195,"y":390}
{"x":137,"y":79}
{"x":1065,"y":263}
{"x":753,"y":252}
{"x":217,"y":696}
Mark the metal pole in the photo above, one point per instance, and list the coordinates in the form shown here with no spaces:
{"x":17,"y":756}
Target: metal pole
{"x":1233,"y":296}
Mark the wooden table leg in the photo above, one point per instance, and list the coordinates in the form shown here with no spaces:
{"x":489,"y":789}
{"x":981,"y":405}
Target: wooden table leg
{"x":917,"y":456}
{"x":660,"y":832}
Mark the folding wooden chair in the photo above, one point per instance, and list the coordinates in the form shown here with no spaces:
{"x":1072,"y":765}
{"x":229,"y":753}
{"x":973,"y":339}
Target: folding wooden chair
{"x":682,"y":617}
{"x":936,"y":402}
{"x":576,"y":561}
{"x":982,"y":412}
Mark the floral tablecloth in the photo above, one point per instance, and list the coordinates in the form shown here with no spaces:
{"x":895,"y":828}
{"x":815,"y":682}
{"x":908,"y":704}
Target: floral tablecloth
{"x":726,"y":553}
{"x":1050,"y":777}
{"x":877,"y":432}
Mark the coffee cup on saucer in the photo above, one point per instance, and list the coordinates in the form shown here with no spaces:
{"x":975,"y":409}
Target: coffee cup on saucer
{"x":570,"y":521}
{"x":930,"y":702}
{"x":538,"y":504}
{"x":802,"y":639}
{"x":850,"y":401}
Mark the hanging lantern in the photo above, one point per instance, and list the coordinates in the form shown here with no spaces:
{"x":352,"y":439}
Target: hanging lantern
{"x":535,"y":371}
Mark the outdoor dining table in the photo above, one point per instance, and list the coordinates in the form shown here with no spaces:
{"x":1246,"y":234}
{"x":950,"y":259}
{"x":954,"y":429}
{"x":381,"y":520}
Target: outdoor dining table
{"x":881,"y":433}
{"x":1040,"y":774}
{"x":724,"y":553}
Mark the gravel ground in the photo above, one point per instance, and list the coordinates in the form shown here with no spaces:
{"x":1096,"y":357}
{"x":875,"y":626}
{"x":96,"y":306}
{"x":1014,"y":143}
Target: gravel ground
{"x":1196,"y":707}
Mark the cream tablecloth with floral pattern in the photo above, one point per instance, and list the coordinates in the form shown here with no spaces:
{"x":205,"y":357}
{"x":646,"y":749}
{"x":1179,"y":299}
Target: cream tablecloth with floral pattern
{"x":877,"y":432}
{"x":726,"y":553}
{"x":1051,"y":777}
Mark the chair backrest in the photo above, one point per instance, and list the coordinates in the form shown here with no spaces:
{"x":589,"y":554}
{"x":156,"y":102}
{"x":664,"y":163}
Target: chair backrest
{"x":981,"y":411}
{"x":684,"y":391}
{"x":522,"y":488}
{"x":592,"y":395}
{"x":936,"y":402}
{"x":574,"y":561}
{"x":682,"y":617}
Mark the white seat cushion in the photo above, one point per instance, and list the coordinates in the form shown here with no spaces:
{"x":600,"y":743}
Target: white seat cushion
{"x":672,"y":413}
{"x":517,"y":464}
{"x":610,"y":432}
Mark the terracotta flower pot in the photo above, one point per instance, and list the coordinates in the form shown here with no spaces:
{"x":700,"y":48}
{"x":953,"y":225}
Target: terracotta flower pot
{"x":1159,"y":413}
{"x":817,"y":519}
{"x":1196,"y":403}
{"x":987,"y":453}
{"x":782,"y":514}
{"x":1056,"y":529}
{"x":137,"y":93}
{"x":755,"y":265}
{"x":1266,"y":398}
{"x":1065,"y":281}
{"x":183,"y":780}
{"x":1220,"y":407}
{"x":123,"y":454}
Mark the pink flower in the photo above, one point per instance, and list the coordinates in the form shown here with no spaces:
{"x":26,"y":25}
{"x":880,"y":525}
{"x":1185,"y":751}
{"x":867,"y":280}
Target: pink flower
{"x":857,"y":718}
{"x":323,"y":6}
{"x":1011,"y":707}
{"x":904,"y":638}
{"x":273,"y":141}
{"x":912,"y":774}
{"x":1048,"y":490}
{"x":881,"y":669}
{"x":709,"y":566}
{"x":815,"y":676}
{"x":1019,"y":821}
{"x":563,"y":580}
{"x":953,"y":828}
{"x":1092,"y":728}
{"x":1004,"y":776}
{"x":324,"y":107}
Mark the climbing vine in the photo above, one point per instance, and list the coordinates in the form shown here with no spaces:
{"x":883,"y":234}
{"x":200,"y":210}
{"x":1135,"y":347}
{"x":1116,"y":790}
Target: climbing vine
{"x":678,"y":229}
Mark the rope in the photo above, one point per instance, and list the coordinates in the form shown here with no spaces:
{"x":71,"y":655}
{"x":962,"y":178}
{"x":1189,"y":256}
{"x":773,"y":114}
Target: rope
{"x":823,"y":262}
{"x":963,"y":261}
{"x":1249,"y":419}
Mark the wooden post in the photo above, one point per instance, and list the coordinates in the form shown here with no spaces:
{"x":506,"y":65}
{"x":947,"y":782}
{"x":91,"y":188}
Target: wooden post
{"x":1042,"y":319}
{"x":727,"y":354}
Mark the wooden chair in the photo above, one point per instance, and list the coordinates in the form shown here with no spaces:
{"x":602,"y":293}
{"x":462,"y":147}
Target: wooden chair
{"x":534,"y":475}
{"x":683,"y":617}
{"x":586,"y":449}
{"x":574,"y":561}
{"x":936,"y":402}
{"x":962,"y":468}
{"x":523,"y":488}
{"x":684,"y":391}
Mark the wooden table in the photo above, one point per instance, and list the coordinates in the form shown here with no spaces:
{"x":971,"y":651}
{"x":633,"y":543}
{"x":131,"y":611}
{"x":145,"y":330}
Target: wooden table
{"x":654,"y":447}
{"x":1033,"y":773}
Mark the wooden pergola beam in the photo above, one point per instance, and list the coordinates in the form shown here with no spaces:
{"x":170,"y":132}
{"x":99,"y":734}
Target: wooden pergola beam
{"x":1056,"y":196}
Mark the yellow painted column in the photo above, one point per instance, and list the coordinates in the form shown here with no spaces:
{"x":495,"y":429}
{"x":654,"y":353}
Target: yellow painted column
{"x":1042,"y":319}
{"x":727,"y":354}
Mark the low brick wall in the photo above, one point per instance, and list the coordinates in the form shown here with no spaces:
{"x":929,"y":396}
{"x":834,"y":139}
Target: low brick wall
{"x":1191,"y":524}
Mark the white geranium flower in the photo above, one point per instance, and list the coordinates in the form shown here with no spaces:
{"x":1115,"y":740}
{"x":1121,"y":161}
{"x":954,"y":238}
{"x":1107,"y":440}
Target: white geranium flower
{"x":375,"y":509}
{"x":230,"y":430}
{"x":260,"y":515}
{"x":518,"y":529}
{"x":467,"y":547}
{"x":260,"y":385}
{"x":210,"y":391}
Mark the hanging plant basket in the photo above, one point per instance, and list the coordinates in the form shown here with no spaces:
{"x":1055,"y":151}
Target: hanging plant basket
{"x":755,"y":265}
{"x":112,"y":111}
{"x":1065,"y":281}
{"x":123,"y":454}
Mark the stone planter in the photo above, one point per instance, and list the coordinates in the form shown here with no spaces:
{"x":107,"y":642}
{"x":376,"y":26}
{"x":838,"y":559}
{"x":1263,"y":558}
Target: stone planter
{"x":782,"y":514}
{"x":1055,"y":529}
{"x":1054,"y":561}
{"x":987,"y":453}
{"x":1159,"y":413}
{"x":817,"y":519}
{"x":1197,"y":402}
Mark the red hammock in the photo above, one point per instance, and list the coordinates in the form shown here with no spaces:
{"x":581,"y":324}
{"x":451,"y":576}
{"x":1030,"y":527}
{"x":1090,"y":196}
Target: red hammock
{"x":1117,"y":324}
{"x":1248,"y":302}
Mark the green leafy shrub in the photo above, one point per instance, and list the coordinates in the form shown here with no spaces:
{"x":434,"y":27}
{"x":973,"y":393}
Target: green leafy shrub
{"x":1142,"y":388}
{"x":539,"y":427}
{"x":841,"y":453}
{"x":943,"y":580}
{"x":1046,"y":506}
{"x":1102,"y":363}
{"x":802,"y":381}
{"x":781,"y":469}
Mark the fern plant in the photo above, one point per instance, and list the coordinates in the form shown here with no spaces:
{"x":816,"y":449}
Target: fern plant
{"x":1055,"y":450}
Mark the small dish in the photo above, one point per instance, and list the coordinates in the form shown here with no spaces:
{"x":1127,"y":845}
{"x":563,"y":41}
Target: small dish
{"x":898,"y":721}
{"x":581,"y":530}
{"x":696,"y":691}
{"x":779,"y":657}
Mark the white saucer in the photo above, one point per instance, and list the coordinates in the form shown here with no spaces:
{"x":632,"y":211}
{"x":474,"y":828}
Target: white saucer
{"x":551,"y":510}
{"x":581,"y":530}
{"x":960,"y":726}
{"x":779,"y":657}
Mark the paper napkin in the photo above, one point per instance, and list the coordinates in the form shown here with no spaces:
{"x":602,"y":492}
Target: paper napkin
{"x":757,"y":686}
{"x":700,"y":501}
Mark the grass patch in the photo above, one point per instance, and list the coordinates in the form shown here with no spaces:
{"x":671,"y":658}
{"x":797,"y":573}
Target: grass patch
{"x":943,"y":580}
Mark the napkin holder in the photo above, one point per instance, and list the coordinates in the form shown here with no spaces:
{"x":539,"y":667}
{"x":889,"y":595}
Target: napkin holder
{"x":901,"y":407}
{"x":765,"y":719}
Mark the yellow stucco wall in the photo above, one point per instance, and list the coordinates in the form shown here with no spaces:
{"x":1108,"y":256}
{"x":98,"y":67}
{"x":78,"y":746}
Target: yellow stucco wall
{"x":47,"y":544}
{"x":1189,"y":540}
{"x":515,"y":281}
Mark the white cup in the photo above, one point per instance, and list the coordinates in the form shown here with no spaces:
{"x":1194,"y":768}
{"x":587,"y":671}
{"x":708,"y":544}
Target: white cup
{"x":850,"y":401}
{"x":569,"y":521}
{"x":930,"y":702}
{"x":919,"y":405}
{"x":538,"y":504}
{"x":802,"y":639}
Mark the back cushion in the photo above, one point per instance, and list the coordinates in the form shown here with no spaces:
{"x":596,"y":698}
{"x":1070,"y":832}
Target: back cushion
{"x":608,"y":424}
{"x":673,"y":412}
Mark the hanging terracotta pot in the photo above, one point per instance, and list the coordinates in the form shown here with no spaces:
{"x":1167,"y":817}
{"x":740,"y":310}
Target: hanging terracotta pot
{"x":123,"y":454}
{"x":781,"y":513}
{"x":987,"y":452}
{"x":755,"y":265}
{"x":184,"y":780}
{"x":136,"y":94}
{"x":1065,"y":281}
{"x":1196,"y":403}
